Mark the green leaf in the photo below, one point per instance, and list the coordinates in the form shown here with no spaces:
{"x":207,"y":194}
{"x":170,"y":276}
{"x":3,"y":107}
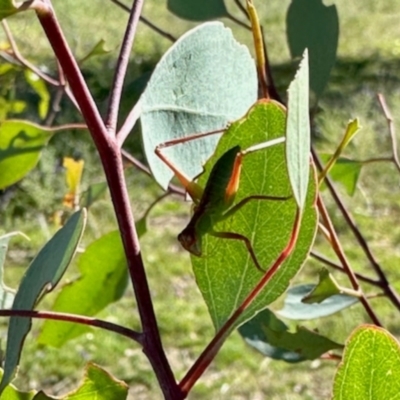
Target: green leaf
{"x":198,"y":10}
{"x":21,"y":143}
{"x":39,"y":86}
{"x":204,"y":81}
{"x":10,"y":7}
{"x":103,"y":280}
{"x":271,"y":336}
{"x":12,"y":393}
{"x":370,"y":368}
{"x":345,"y":171}
{"x":100,"y":385}
{"x":41,"y":276}
{"x":6,"y":293}
{"x":294,"y":308}
{"x":225,"y":273}
{"x":99,"y":49}
{"x":326,"y":287}
{"x":298,"y":133}
{"x":312,"y":25}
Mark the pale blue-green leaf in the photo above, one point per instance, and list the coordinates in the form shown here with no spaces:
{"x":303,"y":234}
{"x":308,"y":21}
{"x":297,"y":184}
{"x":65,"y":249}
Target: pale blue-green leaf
{"x":312,"y":25}
{"x":298,"y":133}
{"x":42,"y":275}
{"x":265,"y":331}
{"x":370,"y":367}
{"x":204,"y":81}
{"x":198,"y":10}
{"x":294,"y":308}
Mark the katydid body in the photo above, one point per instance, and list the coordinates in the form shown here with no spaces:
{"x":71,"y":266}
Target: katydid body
{"x":214,"y":203}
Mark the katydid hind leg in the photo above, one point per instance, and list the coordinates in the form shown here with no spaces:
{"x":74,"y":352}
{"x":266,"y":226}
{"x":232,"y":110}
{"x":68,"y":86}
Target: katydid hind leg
{"x":242,"y":238}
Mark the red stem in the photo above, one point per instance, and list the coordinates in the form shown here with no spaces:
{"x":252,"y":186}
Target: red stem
{"x":78,"y":319}
{"x":211,"y":350}
{"x":112,"y":163}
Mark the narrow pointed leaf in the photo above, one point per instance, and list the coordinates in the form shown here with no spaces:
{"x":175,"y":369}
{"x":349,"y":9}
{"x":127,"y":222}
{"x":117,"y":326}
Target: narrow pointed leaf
{"x":99,"y":49}
{"x":10,"y":7}
{"x":370,"y":368}
{"x":326,"y":287}
{"x":312,"y":25}
{"x":298,"y":133}
{"x":21,"y":143}
{"x":345,"y":171}
{"x":41,"y":276}
{"x":103,"y":280}
{"x":271,"y":336}
{"x":225,"y":273}
{"x":39,"y":86}
{"x":295,"y":309}
{"x":204,"y":81}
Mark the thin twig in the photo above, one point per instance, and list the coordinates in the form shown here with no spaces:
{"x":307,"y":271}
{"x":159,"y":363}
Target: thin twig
{"x":237,"y":21}
{"x":18,"y":57}
{"x":392,"y":131}
{"x":242,"y":8}
{"x":129,"y":122}
{"x":340,"y":268}
{"x":337,"y":248}
{"x":389,"y":290}
{"x":122,"y":65}
{"x":173,"y":189}
{"x":147,"y":22}
{"x":75,"y":318}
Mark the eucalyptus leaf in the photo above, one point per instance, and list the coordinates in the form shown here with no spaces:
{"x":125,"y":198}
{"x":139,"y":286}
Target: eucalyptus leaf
{"x":295,"y":309}
{"x":370,"y":367}
{"x":198,"y":10}
{"x":271,"y":336}
{"x":203,"y":82}
{"x":225,"y":273}
{"x":312,"y":25}
{"x":103,"y":280}
{"x":42,"y":275}
{"x":298,"y":140}
{"x":21,"y":143}
{"x":10,"y":7}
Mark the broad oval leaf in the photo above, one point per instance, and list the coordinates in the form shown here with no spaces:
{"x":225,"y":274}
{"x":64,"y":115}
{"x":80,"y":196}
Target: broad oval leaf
{"x":294,"y":308}
{"x":270,"y":336}
{"x":204,"y":81}
{"x":312,"y":25}
{"x":42,"y":275}
{"x":21,"y":143}
{"x":225,"y":273}
{"x":198,"y":10}
{"x":103,"y":280}
{"x":370,"y":368}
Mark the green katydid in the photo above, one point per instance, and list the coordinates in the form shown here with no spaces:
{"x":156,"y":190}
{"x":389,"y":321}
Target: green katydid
{"x":214,"y":203}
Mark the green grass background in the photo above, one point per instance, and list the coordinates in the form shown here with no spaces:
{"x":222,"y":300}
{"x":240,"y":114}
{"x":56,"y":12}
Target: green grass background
{"x":368,"y":62}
